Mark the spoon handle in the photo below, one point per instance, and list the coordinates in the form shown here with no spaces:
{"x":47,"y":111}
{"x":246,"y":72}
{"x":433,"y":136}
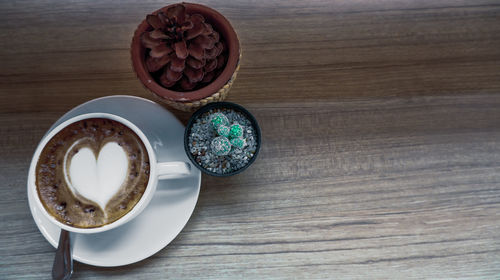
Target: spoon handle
{"x":63,"y":261}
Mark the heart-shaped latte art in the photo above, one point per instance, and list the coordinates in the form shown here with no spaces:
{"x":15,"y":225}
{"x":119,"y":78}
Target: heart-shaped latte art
{"x":97,"y":179}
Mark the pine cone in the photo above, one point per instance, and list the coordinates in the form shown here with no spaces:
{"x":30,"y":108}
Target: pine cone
{"x":185,"y":51}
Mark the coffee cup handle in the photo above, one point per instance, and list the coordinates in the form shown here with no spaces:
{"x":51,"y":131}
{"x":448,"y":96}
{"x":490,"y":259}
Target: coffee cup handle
{"x":173,"y":169}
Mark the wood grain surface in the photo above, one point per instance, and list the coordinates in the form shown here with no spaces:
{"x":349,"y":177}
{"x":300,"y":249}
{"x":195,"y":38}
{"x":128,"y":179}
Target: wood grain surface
{"x":381,"y":137}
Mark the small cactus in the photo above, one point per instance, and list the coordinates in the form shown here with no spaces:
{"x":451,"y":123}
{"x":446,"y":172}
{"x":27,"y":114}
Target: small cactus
{"x":229,"y":137}
{"x":221,"y":146}
{"x":218,"y":119}
{"x":238,"y":142}
{"x":223,"y":130}
{"x":235,"y":131}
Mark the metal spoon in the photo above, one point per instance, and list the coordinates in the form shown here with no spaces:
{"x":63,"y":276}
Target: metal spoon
{"x":62,"y":269}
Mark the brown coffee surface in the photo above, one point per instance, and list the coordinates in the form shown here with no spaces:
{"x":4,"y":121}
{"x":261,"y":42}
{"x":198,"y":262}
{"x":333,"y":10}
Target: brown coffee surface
{"x":71,"y":208}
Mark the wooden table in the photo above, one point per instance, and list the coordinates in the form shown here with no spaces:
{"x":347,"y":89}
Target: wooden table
{"x":381,"y":137}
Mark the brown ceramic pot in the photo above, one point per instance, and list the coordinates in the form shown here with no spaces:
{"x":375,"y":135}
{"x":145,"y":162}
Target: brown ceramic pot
{"x":217,"y":90}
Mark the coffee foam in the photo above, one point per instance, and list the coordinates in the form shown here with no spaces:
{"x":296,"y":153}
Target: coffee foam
{"x":63,"y":176}
{"x":96,"y":175}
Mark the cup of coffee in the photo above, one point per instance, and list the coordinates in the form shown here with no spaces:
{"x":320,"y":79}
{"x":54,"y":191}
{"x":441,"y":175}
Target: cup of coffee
{"x":95,"y":172}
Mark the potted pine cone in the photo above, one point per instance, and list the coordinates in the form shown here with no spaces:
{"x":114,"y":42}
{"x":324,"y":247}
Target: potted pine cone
{"x":186,"y":54}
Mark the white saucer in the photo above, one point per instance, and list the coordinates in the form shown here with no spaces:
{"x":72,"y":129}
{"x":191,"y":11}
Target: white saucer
{"x":169,"y":210}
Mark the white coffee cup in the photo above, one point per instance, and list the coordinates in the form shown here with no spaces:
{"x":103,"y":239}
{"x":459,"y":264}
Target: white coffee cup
{"x":158,"y":171}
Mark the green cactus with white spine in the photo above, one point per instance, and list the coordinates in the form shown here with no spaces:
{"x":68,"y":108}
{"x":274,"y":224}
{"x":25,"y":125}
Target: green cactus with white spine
{"x":229,"y":138}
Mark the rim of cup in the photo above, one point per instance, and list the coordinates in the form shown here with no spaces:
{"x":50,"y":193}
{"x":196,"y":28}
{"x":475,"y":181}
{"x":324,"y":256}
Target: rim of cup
{"x":140,"y":205}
